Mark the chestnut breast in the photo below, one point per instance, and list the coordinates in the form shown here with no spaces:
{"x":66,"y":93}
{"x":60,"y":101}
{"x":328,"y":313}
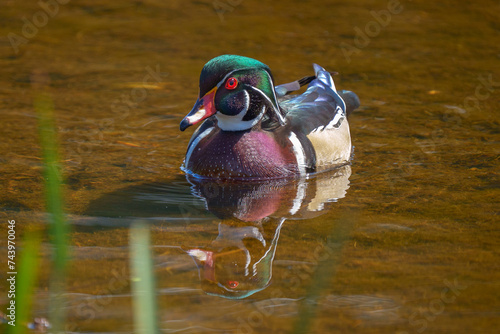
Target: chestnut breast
{"x":242,"y":154}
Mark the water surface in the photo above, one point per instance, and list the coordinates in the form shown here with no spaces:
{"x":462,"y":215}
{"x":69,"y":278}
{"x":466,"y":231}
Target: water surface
{"x":409,"y":230}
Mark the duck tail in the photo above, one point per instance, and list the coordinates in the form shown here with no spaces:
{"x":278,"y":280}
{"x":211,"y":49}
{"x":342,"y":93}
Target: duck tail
{"x":351,"y":101}
{"x":324,"y":79}
{"x":347,"y":100}
{"x":324,"y":76}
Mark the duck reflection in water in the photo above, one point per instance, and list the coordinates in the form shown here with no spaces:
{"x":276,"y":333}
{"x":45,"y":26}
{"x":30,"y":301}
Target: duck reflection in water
{"x":238,"y":263}
{"x":234,"y":261}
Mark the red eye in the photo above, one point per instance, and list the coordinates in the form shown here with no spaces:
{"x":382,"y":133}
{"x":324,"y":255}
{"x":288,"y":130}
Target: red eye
{"x":233,"y":284}
{"x":231,"y":83}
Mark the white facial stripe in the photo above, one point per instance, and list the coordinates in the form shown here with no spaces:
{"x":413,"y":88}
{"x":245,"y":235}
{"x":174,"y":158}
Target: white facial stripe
{"x":195,"y":143}
{"x":197,"y":116}
{"x":227,"y":76}
{"x":278,"y":114}
{"x":298,"y":150}
{"x":236,"y":122}
{"x":282,"y":120}
{"x":230,"y":123}
{"x":261,"y":92}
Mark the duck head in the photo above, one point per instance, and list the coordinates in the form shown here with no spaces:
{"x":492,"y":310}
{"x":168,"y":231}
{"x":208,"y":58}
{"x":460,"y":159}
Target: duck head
{"x":238,"y":91}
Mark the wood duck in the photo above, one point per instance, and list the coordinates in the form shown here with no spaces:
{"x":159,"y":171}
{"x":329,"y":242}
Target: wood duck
{"x":253,"y":130}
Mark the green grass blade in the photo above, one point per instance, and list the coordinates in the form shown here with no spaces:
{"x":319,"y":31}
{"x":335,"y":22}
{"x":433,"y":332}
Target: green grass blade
{"x":142,"y":277}
{"x":26,"y":278}
{"x":53,"y":194}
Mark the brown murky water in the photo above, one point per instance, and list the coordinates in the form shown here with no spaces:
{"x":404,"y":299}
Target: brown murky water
{"x":409,"y":230}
